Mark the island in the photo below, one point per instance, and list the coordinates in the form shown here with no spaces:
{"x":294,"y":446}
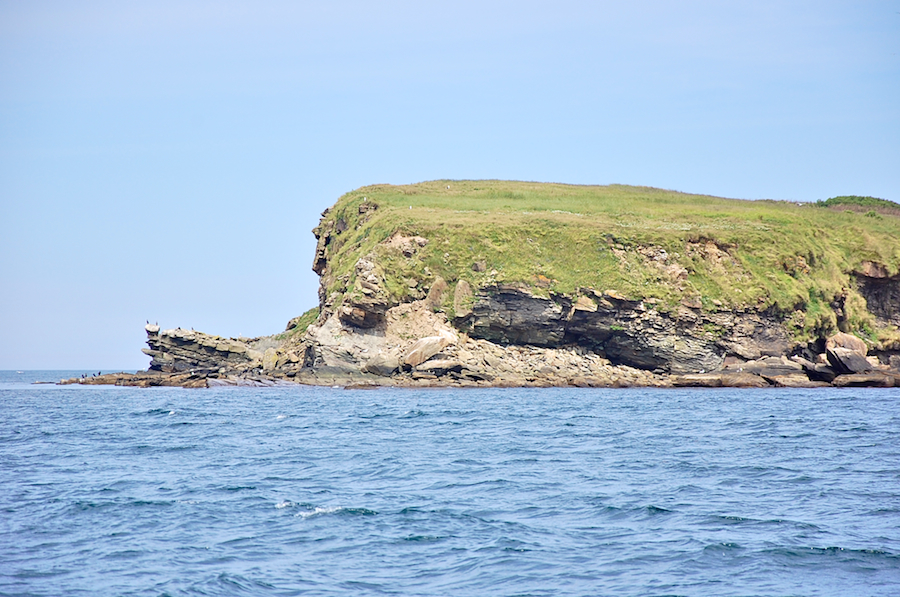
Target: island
{"x":500,"y":283}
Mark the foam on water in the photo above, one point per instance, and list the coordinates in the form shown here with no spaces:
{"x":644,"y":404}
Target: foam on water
{"x":111,"y":491}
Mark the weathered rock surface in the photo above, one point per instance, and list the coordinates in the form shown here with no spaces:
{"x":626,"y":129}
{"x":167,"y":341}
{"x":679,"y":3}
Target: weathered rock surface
{"x":368,"y":301}
{"x":847,"y":341}
{"x":384,"y":365}
{"x":424,"y":349}
{"x":182,"y":350}
{"x":881,"y":291}
{"x":845,"y":360}
{"x":857,"y":380}
{"x":625,"y":331}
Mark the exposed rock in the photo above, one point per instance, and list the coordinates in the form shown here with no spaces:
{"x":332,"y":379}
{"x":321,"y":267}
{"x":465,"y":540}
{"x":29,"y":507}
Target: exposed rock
{"x":424,"y":349}
{"x":408,"y":245}
{"x":322,"y":233}
{"x":384,"y":365}
{"x":743,"y":380}
{"x":436,"y":293}
{"x":882,"y":294}
{"x":378,"y":327}
{"x":845,"y":361}
{"x":849,"y":341}
{"x":719,"y":380}
{"x":816,"y":371}
{"x":462,"y":298}
{"x":440,"y":367}
{"x":269,"y":359}
{"x":856,"y":380}
{"x":511,"y":315}
{"x":367,"y":303}
{"x":770,"y":368}
{"x":698,"y":380}
{"x":870,"y":269}
{"x":182,"y":350}
{"x":795,"y":380}
{"x":146,"y":379}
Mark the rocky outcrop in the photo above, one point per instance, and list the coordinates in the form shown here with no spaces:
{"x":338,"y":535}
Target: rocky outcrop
{"x":881,"y":291}
{"x":511,"y":335}
{"x":365,"y":305}
{"x":180,"y":350}
{"x":628,"y":332}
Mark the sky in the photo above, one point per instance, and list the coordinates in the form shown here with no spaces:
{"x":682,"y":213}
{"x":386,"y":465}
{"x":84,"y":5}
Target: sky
{"x":167,"y":161}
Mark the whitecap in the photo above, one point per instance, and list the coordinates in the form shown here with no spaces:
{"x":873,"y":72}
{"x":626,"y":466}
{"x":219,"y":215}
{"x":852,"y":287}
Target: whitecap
{"x":319,"y":511}
{"x":284,"y":504}
{"x":171,"y":412}
{"x":279,"y":417}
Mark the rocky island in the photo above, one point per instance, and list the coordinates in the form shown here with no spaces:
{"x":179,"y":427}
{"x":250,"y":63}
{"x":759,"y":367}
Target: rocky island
{"x":496,"y":283}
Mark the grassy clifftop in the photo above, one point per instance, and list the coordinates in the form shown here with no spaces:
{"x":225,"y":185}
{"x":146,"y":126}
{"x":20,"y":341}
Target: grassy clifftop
{"x":641,"y":242}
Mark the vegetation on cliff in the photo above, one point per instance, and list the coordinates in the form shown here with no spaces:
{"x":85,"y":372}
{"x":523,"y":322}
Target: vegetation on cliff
{"x":871,"y":206}
{"x":790,"y":259}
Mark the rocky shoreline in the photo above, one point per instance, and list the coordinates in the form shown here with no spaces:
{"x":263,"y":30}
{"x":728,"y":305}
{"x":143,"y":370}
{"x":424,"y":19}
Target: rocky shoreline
{"x":399,"y":355}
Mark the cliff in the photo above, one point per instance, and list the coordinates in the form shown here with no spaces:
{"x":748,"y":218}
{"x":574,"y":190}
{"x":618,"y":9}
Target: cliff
{"x":513,"y":283}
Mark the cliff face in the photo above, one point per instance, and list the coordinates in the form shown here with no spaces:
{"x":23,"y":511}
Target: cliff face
{"x":708,"y":303}
{"x":881,"y":292}
{"x":181,"y":350}
{"x":628,"y":332}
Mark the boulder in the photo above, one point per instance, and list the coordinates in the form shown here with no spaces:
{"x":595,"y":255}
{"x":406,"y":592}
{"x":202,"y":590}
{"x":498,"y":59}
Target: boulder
{"x":815,"y":371}
{"x":849,"y":341}
{"x":424,"y":349}
{"x":847,"y":361}
{"x":462,"y":299}
{"x":440,"y":367}
{"x":698,"y":380}
{"x":436,"y":293}
{"x":384,"y":365}
{"x":859,"y":380}
{"x":743,"y":380}
{"x":796,"y":380}
{"x":722,"y":379}
{"x":476,"y":374}
{"x":269,"y":359}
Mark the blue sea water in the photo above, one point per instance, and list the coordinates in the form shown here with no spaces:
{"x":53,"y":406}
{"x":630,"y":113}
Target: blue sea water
{"x":321,"y":491}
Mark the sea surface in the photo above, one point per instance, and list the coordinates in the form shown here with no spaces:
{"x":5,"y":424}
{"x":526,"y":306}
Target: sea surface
{"x":325,"y":491}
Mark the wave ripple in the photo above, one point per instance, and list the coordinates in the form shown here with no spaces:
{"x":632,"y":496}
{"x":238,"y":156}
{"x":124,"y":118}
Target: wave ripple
{"x":288,"y":491}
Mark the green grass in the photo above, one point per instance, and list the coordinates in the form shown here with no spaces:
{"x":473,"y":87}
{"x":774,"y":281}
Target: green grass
{"x":302,"y":322}
{"x":870,"y":206}
{"x":779,"y":256}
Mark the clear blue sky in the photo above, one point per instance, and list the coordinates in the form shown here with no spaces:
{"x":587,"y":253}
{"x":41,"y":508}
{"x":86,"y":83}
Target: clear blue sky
{"x":167,"y":160}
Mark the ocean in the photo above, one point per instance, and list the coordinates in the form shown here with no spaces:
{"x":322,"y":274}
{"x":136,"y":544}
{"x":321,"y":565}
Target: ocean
{"x":325,"y":491}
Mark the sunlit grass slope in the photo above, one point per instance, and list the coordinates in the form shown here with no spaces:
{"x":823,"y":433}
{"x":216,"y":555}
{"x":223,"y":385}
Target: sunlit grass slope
{"x":789,"y":258}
